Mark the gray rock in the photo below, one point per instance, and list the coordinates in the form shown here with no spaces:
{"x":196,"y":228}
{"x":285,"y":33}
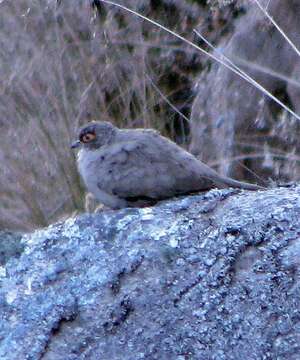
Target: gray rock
{"x":210,"y":276}
{"x":10,"y":245}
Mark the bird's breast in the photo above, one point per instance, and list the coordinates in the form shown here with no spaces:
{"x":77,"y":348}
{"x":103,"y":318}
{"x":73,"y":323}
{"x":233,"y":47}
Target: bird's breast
{"x":88,"y":166}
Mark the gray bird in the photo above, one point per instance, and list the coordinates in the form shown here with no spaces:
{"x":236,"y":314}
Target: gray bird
{"x":127,"y":168}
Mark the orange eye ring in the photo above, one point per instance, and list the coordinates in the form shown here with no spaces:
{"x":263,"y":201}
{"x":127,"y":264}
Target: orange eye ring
{"x":88,"y":137}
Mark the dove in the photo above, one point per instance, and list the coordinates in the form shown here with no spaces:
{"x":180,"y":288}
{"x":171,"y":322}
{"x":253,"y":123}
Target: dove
{"x":139,"y":167}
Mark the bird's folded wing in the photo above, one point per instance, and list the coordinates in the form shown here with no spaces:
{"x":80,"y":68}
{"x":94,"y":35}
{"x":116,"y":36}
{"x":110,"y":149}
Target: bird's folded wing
{"x":149,"y":169}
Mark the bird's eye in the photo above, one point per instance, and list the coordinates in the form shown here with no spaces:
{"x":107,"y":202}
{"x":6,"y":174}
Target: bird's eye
{"x":88,"y":137}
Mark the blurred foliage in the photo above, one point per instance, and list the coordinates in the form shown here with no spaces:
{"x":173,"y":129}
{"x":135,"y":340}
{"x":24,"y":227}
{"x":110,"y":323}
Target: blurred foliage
{"x":236,"y":127}
{"x":63,"y":65}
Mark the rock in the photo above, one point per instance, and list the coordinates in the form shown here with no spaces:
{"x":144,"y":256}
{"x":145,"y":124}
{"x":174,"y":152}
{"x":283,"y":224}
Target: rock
{"x":10,"y":246}
{"x":234,"y":125}
{"x":210,"y":276}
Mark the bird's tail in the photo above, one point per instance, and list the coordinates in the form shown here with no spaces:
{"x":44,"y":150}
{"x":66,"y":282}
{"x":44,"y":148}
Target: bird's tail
{"x":228,"y":182}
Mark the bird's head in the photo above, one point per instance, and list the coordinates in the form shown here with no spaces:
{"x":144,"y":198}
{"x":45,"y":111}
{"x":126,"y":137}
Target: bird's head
{"x":94,"y":135}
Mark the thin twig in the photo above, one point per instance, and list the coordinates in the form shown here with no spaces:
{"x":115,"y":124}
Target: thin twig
{"x":166,"y":99}
{"x":236,"y":69}
{"x":277,"y":27}
{"x":249,"y":64}
{"x":224,"y":63}
{"x":267,"y":71}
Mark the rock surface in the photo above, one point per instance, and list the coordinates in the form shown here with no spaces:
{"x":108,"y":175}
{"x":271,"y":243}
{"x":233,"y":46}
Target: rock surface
{"x":10,"y":246}
{"x":210,"y":276}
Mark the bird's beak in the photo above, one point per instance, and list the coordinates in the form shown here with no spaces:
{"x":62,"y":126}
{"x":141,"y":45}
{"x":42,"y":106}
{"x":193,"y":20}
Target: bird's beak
{"x":75,"y":144}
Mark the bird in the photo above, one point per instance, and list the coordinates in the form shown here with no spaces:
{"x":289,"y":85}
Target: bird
{"x":139,"y":167}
